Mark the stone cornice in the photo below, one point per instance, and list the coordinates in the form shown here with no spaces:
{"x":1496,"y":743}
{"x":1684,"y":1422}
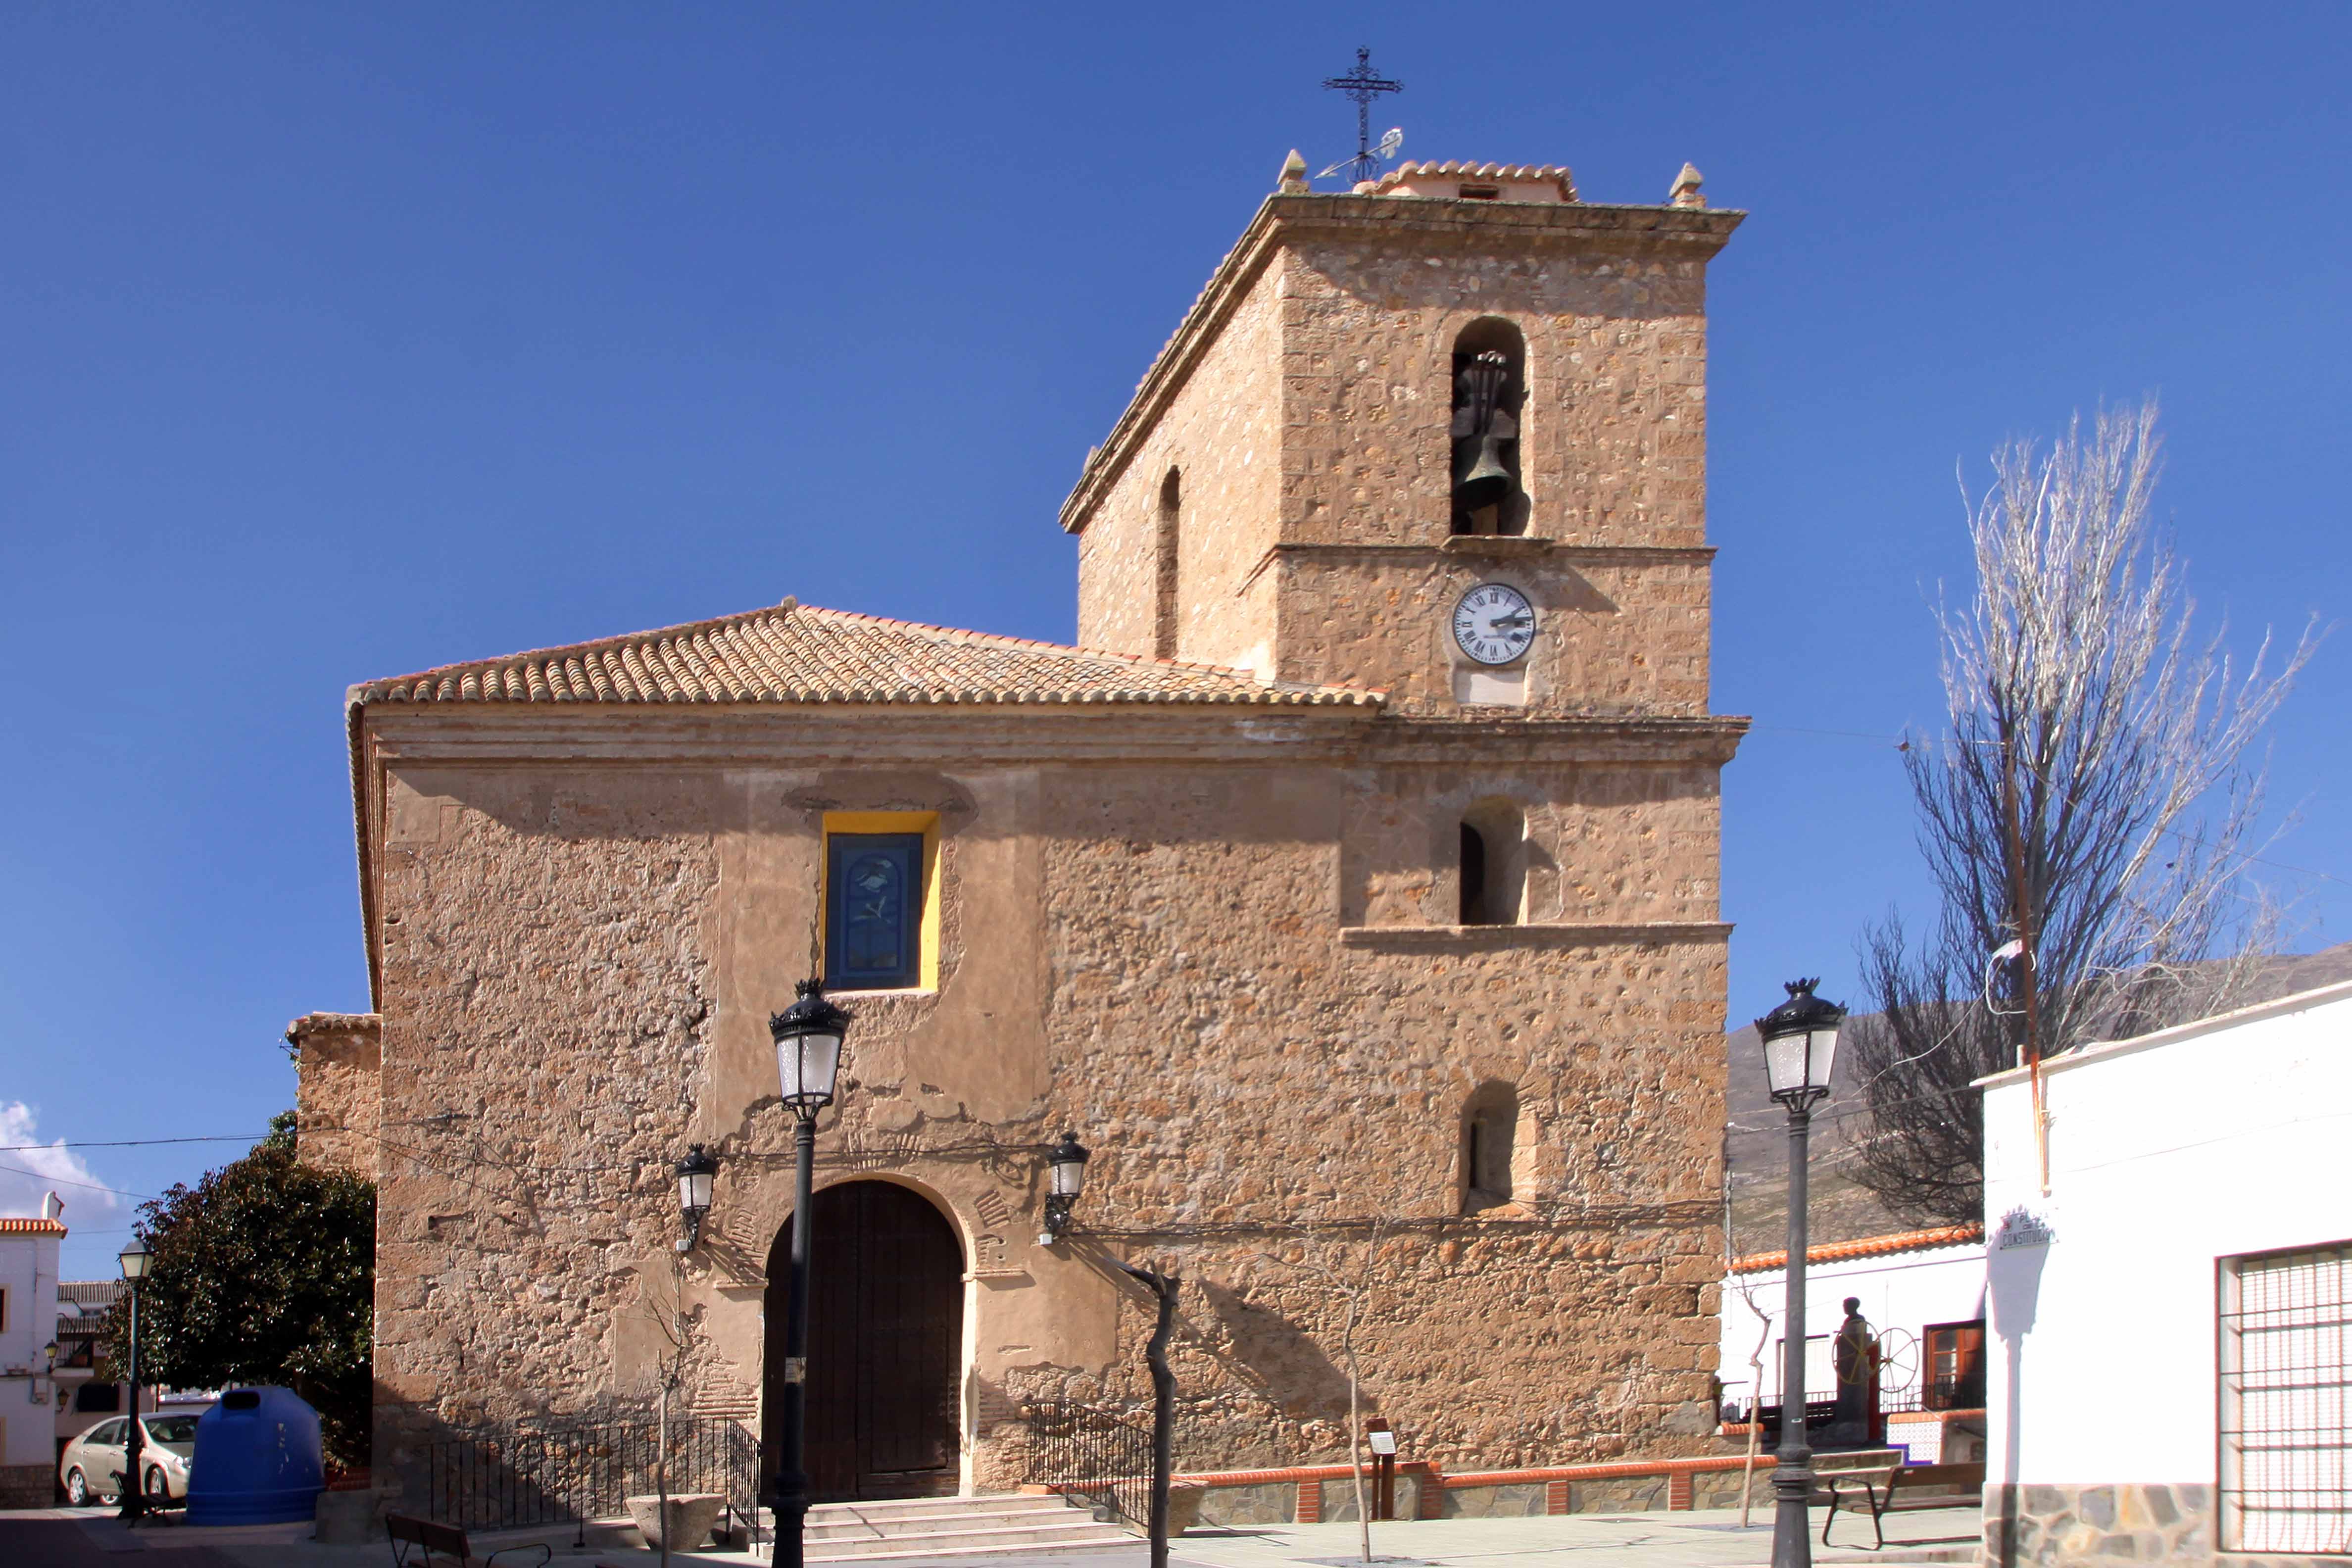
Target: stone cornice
{"x":1500,"y":548}
{"x":1700,"y":231}
{"x":846,"y":735}
{"x":1541,"y":934}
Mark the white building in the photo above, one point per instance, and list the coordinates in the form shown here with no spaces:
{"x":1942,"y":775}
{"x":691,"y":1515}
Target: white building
{"x":1923,"y":1292}
{"x":2168,"y":1355}
{"x":28,"y":1323}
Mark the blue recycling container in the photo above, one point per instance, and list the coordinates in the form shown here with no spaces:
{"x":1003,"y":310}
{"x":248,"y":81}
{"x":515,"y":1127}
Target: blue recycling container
{"x":257,"y":1459}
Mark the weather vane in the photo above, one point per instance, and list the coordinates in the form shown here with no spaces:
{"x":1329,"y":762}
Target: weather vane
{"x":1364,"y":85}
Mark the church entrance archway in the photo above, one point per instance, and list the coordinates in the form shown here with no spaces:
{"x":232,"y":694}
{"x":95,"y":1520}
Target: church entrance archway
{"x":885,"y":1345}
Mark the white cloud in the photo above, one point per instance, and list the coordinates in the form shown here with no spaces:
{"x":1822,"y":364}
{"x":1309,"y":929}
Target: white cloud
{"x":27,"y":1175}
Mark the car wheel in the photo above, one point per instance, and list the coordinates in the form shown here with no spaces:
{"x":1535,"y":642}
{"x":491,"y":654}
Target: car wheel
{"x":77,"y":1488}
{"x":159,"y":1485}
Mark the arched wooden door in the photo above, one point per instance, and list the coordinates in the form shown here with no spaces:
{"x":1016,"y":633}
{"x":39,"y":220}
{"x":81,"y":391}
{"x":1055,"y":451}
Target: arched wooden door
{"x":885,"y":1345}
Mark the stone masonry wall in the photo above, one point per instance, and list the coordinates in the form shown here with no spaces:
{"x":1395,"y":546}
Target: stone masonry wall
{"x":1222,"y":437}
{"x":338,"y":1094}
{"x":2098,"y":1526}
{"x":1621,"y":631}
{"x":577,"y":967}
{"x":1621,"y":844}
{"x":1613,"y":440}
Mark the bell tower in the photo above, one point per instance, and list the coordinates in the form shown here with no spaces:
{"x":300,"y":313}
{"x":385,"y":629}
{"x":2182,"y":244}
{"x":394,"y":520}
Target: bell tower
{"x":1444,"y":434}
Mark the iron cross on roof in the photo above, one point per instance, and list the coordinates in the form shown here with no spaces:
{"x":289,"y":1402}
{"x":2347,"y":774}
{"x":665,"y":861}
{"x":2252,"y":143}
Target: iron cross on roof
{"x":1364,"y":85}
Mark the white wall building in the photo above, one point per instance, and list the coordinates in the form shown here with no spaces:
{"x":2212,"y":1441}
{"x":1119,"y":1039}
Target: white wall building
{"x":2168,"y":1323}
{"x":28,"y":1322}
{"x":1923,"y":1292}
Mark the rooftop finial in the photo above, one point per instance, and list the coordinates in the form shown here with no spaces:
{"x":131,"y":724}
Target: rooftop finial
{"x":1685,"y":193}
{"x":1364,"y":85}
{"x":1294,"y":175}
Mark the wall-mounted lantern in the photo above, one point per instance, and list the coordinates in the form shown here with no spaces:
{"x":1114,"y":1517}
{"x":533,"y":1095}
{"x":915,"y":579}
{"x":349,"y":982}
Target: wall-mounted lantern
{"x":694,"y":1174}
{"x":1066,"y":1167}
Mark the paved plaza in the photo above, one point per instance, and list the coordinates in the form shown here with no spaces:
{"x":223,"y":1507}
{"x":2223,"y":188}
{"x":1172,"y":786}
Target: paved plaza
{"x":67,"y":1538}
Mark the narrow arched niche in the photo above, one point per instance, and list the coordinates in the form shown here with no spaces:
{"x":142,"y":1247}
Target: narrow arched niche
{"x":1490,"y":1122}
{"x":1168,"y":544}
{"x":1490,"y":400}
{"x":1493,"y":864}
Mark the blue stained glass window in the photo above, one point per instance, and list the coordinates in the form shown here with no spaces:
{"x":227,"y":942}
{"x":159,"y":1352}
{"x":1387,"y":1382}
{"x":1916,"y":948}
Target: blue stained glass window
{"x":874,"y":898}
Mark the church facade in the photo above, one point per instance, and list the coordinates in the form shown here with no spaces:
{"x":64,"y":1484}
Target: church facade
{"x":1349,"y":890}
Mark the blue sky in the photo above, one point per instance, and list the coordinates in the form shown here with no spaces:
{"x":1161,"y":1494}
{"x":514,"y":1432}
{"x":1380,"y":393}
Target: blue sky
{"x":340,"y":342}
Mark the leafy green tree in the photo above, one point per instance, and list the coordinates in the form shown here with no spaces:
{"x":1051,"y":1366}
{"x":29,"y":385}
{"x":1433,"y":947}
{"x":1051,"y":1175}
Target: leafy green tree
{"x":264,"y":1273}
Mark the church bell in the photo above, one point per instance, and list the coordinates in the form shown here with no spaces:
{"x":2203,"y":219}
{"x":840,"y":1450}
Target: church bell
{"x":1487,"y":481}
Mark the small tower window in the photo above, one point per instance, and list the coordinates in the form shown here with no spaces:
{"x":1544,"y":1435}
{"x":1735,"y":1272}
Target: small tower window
{"x":1490,"y":1119}
{"x":1473,"y":876}
{"x":1169,"y":540}
{"x":1493,"y":865}
{"x":1490,"y":362}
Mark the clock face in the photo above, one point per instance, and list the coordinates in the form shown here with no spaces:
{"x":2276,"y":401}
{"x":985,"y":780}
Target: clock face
{"x":1494,"y":623}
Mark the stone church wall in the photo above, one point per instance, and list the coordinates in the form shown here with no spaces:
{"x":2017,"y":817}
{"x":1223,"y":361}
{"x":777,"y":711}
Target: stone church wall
{"x":1221,"y":435}
{"x":338,"y":1097}
{"x":578,"y":963}
{"x":1613,"y":439}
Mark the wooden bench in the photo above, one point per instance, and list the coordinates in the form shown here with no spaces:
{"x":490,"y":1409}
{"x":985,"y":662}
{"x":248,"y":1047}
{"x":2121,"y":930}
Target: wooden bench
{"x":423,"y":1534}
{"x":1882,"y":1486}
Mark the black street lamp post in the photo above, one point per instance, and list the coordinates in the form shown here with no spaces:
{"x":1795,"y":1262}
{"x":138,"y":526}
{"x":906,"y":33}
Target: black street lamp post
{"x":808,"y":1037}
{"x":1800,"y":1039}
{"x":134,"y":1259}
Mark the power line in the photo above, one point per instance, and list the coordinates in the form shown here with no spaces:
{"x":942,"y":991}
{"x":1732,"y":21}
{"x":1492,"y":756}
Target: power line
{"x":70,"y":1181}
{"x":132,"y":1143}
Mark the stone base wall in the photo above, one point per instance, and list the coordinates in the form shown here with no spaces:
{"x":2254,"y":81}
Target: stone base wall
{"x":27,"y":1485}
{"x":1266,"y":1502}
{"x":1512,"y":1500}
{"x":1720,"y":1488}
{"x":2099,"y":1526}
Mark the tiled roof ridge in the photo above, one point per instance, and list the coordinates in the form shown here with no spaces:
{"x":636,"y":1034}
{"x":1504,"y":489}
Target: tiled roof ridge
{"x":1469,"y":171}
{"x":1866,"y":1246}
{"x":695,"y":662}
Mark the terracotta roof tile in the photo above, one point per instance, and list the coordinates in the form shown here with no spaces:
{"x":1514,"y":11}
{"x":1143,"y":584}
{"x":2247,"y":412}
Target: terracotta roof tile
{"x":1868,"y":1247}
{"x":31,"y":1227}
{"x":1528,"y":173}
{"x":794,"y":653}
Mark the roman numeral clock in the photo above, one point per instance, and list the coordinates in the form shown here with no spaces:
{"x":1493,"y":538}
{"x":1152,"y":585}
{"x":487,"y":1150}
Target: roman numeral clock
{"x":1494,"y":623}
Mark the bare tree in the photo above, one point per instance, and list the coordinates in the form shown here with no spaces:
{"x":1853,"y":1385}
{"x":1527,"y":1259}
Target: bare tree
{"x":1755,"y":1397}
{"x":2087,"y":819}
{"x":1354,"y":1291}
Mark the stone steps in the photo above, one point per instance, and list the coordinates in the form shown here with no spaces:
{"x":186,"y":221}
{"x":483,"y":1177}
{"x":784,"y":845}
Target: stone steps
{"x":951,"y":1526}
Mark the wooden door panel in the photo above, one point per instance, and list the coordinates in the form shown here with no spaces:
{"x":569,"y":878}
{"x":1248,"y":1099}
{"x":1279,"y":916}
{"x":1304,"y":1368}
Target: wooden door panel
{"x":885,"y":1344}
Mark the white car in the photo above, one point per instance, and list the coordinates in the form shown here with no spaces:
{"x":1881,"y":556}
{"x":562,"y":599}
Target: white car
{"x":92,"y":1466}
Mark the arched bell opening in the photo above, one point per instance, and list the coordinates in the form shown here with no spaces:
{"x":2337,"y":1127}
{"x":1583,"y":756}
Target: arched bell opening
{"x":1490,"y":384}
{"x":886,"y":1343}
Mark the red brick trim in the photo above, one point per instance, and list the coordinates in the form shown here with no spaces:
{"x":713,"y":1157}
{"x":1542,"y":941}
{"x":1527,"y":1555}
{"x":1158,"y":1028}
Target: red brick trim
{"x":1678,"y":1490}
{"x":1297,"y":1473}
{"x":1555,"y":1498}
{"x":1310,"y":1502}
{"x":1600,"y":1472}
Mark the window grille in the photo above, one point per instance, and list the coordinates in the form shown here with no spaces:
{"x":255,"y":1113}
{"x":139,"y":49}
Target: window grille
{"x":2286,"y":1485}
